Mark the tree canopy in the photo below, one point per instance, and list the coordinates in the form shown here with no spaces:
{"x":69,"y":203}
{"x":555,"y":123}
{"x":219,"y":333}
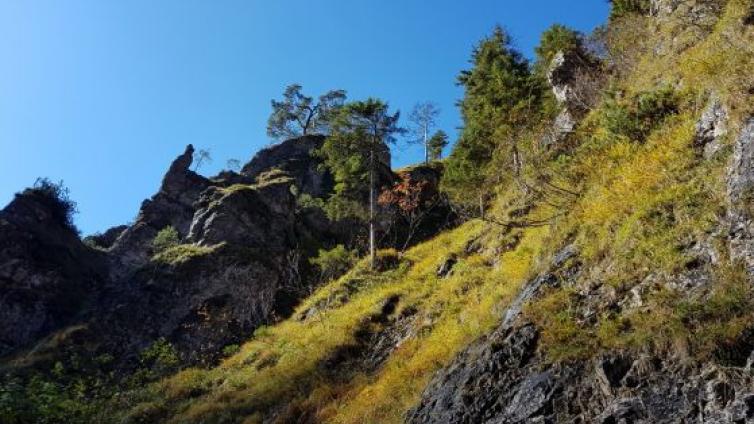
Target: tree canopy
{"x":556,"y":38}
{"x":297,"y":114}
{"x":500,"y":97}
{"x":361,"y":134}
{"x":436,"y":144}
{"x":422,"y":118}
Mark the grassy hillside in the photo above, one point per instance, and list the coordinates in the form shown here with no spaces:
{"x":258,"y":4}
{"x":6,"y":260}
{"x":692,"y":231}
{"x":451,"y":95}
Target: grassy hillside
{"x":310,"y":365}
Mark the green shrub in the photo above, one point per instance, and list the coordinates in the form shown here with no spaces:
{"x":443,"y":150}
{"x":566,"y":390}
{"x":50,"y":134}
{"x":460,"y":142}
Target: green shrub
{"x":57,"y":197}
{"x":307,"y":201}
{"x":334,"y":262}
{"x":626,"y":7}
{"x":231,"y":349}
{"x":637,"y":117}
{"x":157,"y":360}
{"x":555,"y":39}
{"x":181,"y":253}
{"x":165,"y":239}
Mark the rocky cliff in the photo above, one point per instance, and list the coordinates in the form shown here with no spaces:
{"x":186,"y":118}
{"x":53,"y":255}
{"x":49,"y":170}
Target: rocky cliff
{"x":47,"y":275}
{"x":608,"y":281}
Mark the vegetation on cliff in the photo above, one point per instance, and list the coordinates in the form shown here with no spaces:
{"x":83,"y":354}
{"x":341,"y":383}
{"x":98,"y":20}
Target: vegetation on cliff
{"x":601,"y":147}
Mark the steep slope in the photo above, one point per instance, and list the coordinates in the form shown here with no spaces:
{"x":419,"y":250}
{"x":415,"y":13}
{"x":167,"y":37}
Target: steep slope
{"x":361,"y":348}
{"x":617,"y":291}
{"x":609,"y":280}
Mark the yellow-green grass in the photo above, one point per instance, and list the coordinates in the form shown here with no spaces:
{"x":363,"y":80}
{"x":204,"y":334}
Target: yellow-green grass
{"x":282,"y":364}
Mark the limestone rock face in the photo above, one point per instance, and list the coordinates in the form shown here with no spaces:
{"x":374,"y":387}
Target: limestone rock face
{"x":711,"y":128}
{"x":254,"y":216}
{"x":201,"y":303}
{"x":573,"y":80}
{"x":683,"y":22}
{"x":47,"y":275}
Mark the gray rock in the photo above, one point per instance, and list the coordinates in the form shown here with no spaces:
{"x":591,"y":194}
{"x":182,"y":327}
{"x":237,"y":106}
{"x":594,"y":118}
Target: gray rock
{"x":574,"y":83}
{"x":173,"y":205}
{"x":711,"y":128}
{"x":294,"y":157}
{"x":446,"y":267}
{"x":533,"y":287}
{"x":740,"y":191}
{"x":105,"y":240}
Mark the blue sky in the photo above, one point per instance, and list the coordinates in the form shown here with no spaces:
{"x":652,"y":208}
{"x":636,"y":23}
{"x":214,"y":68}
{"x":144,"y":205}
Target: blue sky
{"x":104,"y":94}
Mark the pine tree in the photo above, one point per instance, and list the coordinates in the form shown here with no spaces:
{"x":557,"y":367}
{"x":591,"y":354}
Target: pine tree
{"x":298,"y":115}
{"x":361,"y":134}
{"x":436,"y":144}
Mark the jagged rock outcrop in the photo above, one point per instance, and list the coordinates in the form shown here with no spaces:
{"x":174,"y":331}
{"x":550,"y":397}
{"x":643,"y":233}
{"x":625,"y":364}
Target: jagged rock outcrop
{"x":248,"y":215}
{"x":47,"y":275}
{"x":294,"y":157}
{"x":683,"y":22}
{"x":107,"y":239}
{"x":242,"y":264}
{"x":200,"y":300}
{"x":572,"y":76}
{"x":711,"y":128}
{"x":173,"y":205}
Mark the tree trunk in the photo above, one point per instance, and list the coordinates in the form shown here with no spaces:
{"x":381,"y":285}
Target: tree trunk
{"x":372,"y":250}
{"x":426,"y":147}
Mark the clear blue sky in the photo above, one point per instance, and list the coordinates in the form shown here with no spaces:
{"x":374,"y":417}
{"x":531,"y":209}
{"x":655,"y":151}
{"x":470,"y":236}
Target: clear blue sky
{"x":104,"y":94}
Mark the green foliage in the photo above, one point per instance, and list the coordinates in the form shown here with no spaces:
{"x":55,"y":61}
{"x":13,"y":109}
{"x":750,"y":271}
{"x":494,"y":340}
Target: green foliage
{"x":231,"y":349}
{"x":157,"y":360}
{"x":306,"y":201}
{"x":165,"y":239}
{"x":436,"y":144}
{"x":501,"y":98}
{"x":622,"y":8}
{"x":636,"y":118}
{"x":57,"y":198}
{"x":361,"y":134}
{"x":334,"y":262}
{"x":182,"y":253}
{"x":555,"y":39}
{"x":298,"y":114}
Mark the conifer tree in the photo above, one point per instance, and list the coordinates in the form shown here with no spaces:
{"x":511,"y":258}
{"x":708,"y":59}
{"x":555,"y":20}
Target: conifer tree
{"x":298,"y":114}
{"x":500,"y":97}
{"x":361,"y":134}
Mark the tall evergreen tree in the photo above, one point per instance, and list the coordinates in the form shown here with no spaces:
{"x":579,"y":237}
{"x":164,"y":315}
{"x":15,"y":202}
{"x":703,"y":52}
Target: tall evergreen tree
{"x":500,"y":96}
{"x":361,"y":134}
